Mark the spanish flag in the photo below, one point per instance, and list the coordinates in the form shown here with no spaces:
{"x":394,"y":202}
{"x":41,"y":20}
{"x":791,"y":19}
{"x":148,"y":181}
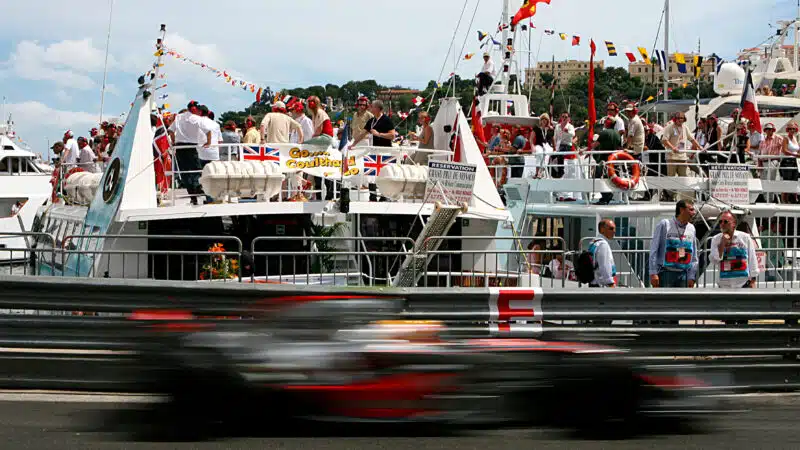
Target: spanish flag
{"x":612,"y":50}
{"x":527,"y":10}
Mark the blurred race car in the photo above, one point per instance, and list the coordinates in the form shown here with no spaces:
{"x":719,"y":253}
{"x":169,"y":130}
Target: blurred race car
{"x":353,"y":359}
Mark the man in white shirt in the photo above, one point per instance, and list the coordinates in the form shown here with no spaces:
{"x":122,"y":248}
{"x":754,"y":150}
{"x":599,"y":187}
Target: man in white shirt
{"x":734,"y":253}
{"x":209,"y":150}
{"x":605,"y":271}
{"x":486,"y":76}
{"x":298,"y":114}
{"x":86,"y":156}
{"x":635,"y":138}
{"x":71,"y":150}
{"x":186,"y":132}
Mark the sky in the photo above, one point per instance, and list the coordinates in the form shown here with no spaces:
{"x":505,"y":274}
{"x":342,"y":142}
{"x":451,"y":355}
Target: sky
{"x":53,"y":53}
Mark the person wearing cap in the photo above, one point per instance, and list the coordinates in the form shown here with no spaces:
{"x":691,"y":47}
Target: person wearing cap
{"x":635,"y":136}
{"x":771,"y":150}
{"x":323,"y":128}
{"x":612,"y":111}
{"x":360,"y":119}
{"x":486,"y":75}
{"x":252,"y":135}
{"x":189,"y":132}
{"x":231,"y":141}
{"x":71,"y":150}
{"x":58,"y":149}
{"x":277,"y":126}
{"x":298,"y":113}
{"x":86,"y":157}
{"x":676,"y":139}
{"x":609,"y":140}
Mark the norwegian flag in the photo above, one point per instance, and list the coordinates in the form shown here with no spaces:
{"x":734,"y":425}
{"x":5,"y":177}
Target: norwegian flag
{"x":261,"y":153}
{"x":374,"y":163}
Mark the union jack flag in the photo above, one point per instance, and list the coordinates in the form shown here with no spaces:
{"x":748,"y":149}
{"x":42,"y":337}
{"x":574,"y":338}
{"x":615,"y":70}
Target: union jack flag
{"x":261,"y":153}
{"x":374,"y":163}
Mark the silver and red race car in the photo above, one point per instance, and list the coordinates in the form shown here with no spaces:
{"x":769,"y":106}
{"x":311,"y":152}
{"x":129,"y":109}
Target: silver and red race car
{"x":350,"y":359}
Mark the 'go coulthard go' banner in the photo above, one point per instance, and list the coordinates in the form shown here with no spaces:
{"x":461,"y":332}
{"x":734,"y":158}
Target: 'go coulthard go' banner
{"x":322,"y":162}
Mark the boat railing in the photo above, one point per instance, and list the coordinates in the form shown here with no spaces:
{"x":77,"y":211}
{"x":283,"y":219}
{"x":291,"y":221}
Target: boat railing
{"x":359,"y":261}
{"x":653,"y":165}
{"x":463,"y":261}
{"x":214,"y":262}
{"x":22,"y":249}
{"x":292,"y":186}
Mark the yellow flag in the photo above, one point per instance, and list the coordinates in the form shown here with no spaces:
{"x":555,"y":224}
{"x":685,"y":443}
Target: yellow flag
{"x":679,"y":58}
{"x":645,"y":56}
{"x":649,"y":99}
{"x":562,"y":36}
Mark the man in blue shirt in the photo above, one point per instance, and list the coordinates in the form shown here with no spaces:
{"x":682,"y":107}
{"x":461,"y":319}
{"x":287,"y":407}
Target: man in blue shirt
{"x":673,"y":250}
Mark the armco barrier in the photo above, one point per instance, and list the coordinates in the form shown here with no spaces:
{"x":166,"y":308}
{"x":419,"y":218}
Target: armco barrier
{"x":747,"y":339}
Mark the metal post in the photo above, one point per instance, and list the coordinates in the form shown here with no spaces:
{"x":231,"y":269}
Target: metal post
{"x":666,"y":48}
{"x":105,"y":67}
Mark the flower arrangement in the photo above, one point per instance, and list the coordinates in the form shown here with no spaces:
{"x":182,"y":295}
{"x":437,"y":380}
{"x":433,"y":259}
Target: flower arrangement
{"x":220,"y":267}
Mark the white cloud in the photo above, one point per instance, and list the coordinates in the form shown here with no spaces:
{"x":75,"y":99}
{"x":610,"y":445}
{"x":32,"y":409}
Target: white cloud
{"x":37,"y":113}
{"x":62,"y":96}
{"x":66,"y":63}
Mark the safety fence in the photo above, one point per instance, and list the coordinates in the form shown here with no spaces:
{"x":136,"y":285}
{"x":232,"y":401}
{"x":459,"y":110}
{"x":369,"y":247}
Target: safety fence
{"x":463,"y":261}
{"x":738,"y":340}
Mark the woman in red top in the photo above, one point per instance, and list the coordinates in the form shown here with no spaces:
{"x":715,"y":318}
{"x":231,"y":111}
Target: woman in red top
{"x":323,"y":128}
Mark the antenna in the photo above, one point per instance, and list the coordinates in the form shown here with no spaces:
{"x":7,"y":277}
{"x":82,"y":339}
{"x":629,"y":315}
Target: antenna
{"x":105,"y":67}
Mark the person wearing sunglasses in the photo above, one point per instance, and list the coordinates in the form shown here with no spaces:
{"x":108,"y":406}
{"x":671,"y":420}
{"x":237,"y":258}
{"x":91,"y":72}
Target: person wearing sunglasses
{"x":733,"y":252}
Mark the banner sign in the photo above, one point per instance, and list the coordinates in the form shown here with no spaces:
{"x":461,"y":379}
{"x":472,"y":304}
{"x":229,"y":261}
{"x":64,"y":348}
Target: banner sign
{"x":322,"y":162}
{"x":450,"y":182}
{"x":729,"y":183}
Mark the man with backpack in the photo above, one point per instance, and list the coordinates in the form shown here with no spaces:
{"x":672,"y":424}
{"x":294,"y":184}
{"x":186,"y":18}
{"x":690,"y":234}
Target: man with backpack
{"x":596,"y":265}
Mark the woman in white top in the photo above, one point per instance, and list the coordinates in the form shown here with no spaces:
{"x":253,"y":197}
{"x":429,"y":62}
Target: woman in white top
{"x":790,"y":153}
{"x":565,"y":143}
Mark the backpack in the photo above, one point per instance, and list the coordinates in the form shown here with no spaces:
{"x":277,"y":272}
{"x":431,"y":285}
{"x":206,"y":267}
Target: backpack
{"x":585,"y":265}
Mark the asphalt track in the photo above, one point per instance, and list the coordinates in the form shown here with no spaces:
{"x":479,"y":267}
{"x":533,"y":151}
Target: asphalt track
{"x":56,"y":424}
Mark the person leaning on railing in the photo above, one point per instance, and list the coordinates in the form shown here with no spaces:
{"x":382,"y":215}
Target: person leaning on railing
{"x":673,"y":250}
{"x":676,"y":138}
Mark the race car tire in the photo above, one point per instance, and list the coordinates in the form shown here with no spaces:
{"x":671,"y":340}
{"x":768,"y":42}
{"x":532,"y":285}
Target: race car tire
{"x":603,"y":401}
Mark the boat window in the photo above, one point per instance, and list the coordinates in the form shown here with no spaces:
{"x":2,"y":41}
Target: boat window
{"x":494,"y":106}
{"x":3,"y":165}
{"x":8,"y":147}
{"x":511,"y":108}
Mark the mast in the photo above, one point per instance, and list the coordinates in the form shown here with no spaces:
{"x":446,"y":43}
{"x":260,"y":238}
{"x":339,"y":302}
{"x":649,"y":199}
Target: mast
{"x":105,"y":67}
{"x":506,"y":42}
{"x":796,"y":35}
{"x":666,"y":48}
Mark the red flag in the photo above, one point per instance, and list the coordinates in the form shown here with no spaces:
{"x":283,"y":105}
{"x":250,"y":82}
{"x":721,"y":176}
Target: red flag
{"x":455,"y":142}
{"x":630,"y":55}
{"x":258,"y":95}
{"x":592,"y":110}
{"x":527,"y":10}
{"x":477,"y":125}
{"x":576,"y":40}
{"x":749,"y":104}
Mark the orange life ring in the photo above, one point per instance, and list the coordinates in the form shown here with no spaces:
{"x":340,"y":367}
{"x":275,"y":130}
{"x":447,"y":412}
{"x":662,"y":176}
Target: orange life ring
{"x":623,"y":183}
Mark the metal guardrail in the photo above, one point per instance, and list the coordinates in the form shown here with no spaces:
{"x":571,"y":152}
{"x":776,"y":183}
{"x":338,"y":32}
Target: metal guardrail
{"x":750,"y":340}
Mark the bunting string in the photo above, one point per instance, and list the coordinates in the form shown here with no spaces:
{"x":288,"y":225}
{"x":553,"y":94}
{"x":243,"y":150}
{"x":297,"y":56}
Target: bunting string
{"x":224,"y":75}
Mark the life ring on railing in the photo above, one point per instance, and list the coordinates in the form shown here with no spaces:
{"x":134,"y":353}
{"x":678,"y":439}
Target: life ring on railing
{"x":623,"y":183}
{"x":56,"y":180}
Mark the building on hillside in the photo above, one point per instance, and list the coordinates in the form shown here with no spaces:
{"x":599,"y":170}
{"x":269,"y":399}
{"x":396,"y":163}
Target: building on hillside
{"x":562,"y":70}
{"x":653,"y":73}
{"x":393,"y":94}
{"x":756,"y":54}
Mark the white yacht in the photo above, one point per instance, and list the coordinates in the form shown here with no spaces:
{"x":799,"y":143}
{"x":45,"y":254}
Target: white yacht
{"x":119,"y":224}
{"x":24,"y":187}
